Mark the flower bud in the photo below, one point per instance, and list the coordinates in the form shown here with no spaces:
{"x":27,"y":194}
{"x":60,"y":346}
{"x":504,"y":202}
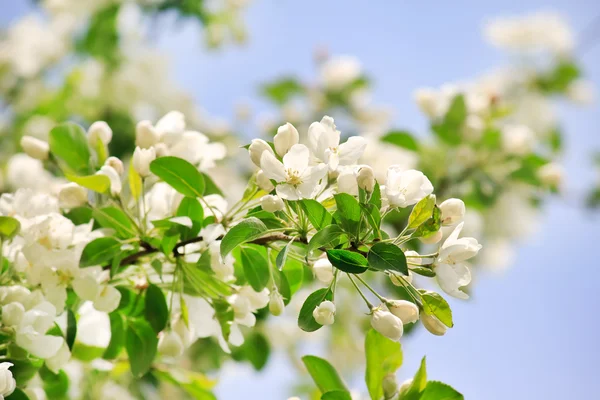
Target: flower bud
{"x":347,"y":183}
{"x":162,"y":150}
{"x":405,"y":310}
{"x":551,"y":174}
{"x":116,"y":164}
{"x":7,"y":382}
{"x":389,"y":386}
{"x":35,"y":148}
{"x":324,"y":313}
{"x":453,"y":211}
{"x":170,"y":344}
{"x":115,"y":179}
{"x":184,"y":332}
{"x":433,"y":325}
{"x":108,"y":299}
{"x":271,"y":203}
{"x":60,"y":359}
{"x":518,"y":139}
{"x":72,"y":195}
{"x":427,"y":101}
{"x":387,"y":324}
{"x":256,"y":149}
{"x":263,"y":182}
{"x":142,"y":159}
{"x":146,"y":135}
{"x":12,"y":314}
{"x":323,"y":270}
{"x":276,"y":304}
{"x":286,"y":137}
{"x":432,"y":238}
{"x":405,"y":386}
{"x":366,"y":179}
{"x":99,"y":131}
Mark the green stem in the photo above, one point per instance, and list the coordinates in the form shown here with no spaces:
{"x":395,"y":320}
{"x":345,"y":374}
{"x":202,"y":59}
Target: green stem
{"x":360,"y":292}
{"x":381,"y":298}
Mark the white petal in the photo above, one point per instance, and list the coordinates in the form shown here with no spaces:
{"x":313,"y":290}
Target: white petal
{"x":297,"y":157}
{"x":272,"y":167}
{"x":352,"y":150}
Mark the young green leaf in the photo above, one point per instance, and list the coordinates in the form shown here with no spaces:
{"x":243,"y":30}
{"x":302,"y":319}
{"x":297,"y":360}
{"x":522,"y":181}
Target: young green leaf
{"x":141,"y":343}
{"x":191,"y":208}
{"x":347,"y":261}
{"x":384,"y":356}
{"x":246,"y":231}
{"x":135,"y":182}
{"x":156,"y":309}
{"x":180,"y":175}
{"x":327,"y":237}
{"x":440,"y":391}
{"x":224,"y":315}
{"x":373,"y":217}
{"x":71,"y":329}
{"x":118,"y":325}
{"x":376,"y":196}
{"x":318,"y":215}
{"x":434,"y":304}
{"x":256,"y":266}
{"x":256,"y":349}
{"x":387,"y":256}
{"x":431,"y":226}
{"x":306,"y":321}
{"x":348,"y":210}
{"x":421,"y":212}
{"x":68,"y":143}
{"x":324,"y":375}
{"x":336,"y":395}
{"x":100,"y":251}
{"x":114,"y":218}
{"x":401,"y":139}
{"x":97,"y":183}
{"x":418,"y":384}
{"x":282,"y":256}
{"x":9,"y":227}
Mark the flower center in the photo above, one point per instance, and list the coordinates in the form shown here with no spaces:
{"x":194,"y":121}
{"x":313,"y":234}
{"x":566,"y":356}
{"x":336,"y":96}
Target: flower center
{"x":293,"y":177}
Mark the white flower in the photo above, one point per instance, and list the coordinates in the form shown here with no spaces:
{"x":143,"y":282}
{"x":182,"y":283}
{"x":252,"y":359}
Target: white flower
{"x":347,"y":182}
{"x":551,"y":174}
{"x":324,"y":143}
{"x":170,"y":344}
{"x":145,"y":135}
{"x":186,"y":333}
{"x":581,"y":92}
{"x":222,"y":267}
{"x":286,"y":137}
{"x":276,"y":304}
{"x":99,"y":131}
{"x":387,"y":324}
{"x":142,"y":159}
{"x":38,"y":344}
{"x":324,"y":313}
{"x":452,"y":272}
{"x":116,"y":164}
{"x":7,"y":382}
{"x":428,"y":102}
{"x":366,"y":178}
{"x":453,"y":211}
{"x":340,"y":71}
{"x":295,"y":178}
{"x":60,"y":359}
{"x":405,"y":310}
{"x":271,"y":203}
{"x":196,"y":148}
{"x":473,"y":127}
{"x":72,"y":195}
{"x":433,"y":325}
{"x":256,"y":149}
{"x":107,"y":299}
{"x":35,"y":148}
{"x":115,"y":179}
{"x":263,"y":182}
{"x":170,"y":127}
{"x":12,"y":314}
{"x":323,"y":270}
{"x":86,"y":287}
{"x":405,"y":188}
{"x":517,"y":139}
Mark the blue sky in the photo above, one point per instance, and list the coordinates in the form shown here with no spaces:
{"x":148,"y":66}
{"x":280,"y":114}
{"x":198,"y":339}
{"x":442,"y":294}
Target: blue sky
{"x":530,"y":333}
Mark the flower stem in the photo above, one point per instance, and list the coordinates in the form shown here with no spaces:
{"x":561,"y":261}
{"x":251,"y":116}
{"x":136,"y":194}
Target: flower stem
{"x":360,"y":292}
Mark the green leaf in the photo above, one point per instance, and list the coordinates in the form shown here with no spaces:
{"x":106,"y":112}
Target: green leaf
{"x":102,"y":37}
{"x":306,"y":321}
{"x":348,"y":210}
{"x":56,"y":386}
{"x":255,"y":349}
{"x":135,"y":182}
{"x":327,"y":237}
{"x":282,"y":90}
{"x":114,"y":218}
{"x":180,"y":175}
{"x":118,"y":324}
{"x":9,"y":227}
{"x":100,"y":251}
{"x":347,"y":261}
{"x":97,"y":183}
{"x":421,"y":212}
{"x":336,"y":395}
{"x":282,"y":256}
{"x":256,"y":266}
{"x":210,"y":186}
{"x":440,"y":391}
{"x":324,"y":375}
{"x":18,"y":394}
{"x":387,"y":256}
{"x":156,"y":309}
{"x":195,"y":384}
{"x":141,"y":344}
{"x":86,"y":353}
{"x":68,"y":143}
{"x":199,"y":282}
{"x":224,"y":315}
{"x":294,"y":274}
{"x":418,"y":384}
{"x":193,"y":209}
{"x":449,"y":129}
{"x":431,"y":226}
{"x":384,"y":356}
{"x":318,"y":215}
{"x":434,"y":304}
{"x":71,"y":329}
{"x":401,"y":139}
{"x":376,"y":196}
{"x":246,"y":231}
{"x":373,"y":217}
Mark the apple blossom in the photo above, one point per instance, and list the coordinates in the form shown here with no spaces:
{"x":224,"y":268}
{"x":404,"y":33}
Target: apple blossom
{"x":324,"y":313}
{"x":146,"y":135}
{"x":142,"y":159}
{"x":263,"y":182}
{"x":405,"y":310}
{"x":256,"y":149}
{"x":286,"y":137}
{"x":366,"y":178}
{"x":551,"y":174}
{"x":272,"y":203}
{"x":116,"y":164}
{"x":115,"y":179}
{"x":324,"y":143}
{"x":405,"y":188}
{"x":347,"y":182}
{"x":35,"y":148}
{"x":387,"y":324}
{"x":453,"y":211}
{"x":72,"y":195}
{"x":7,"y":382}
{"x":323,"y":270}
{"x":170,"y":344}
{"x":433,"y":325}
{"x":99,"y":131}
